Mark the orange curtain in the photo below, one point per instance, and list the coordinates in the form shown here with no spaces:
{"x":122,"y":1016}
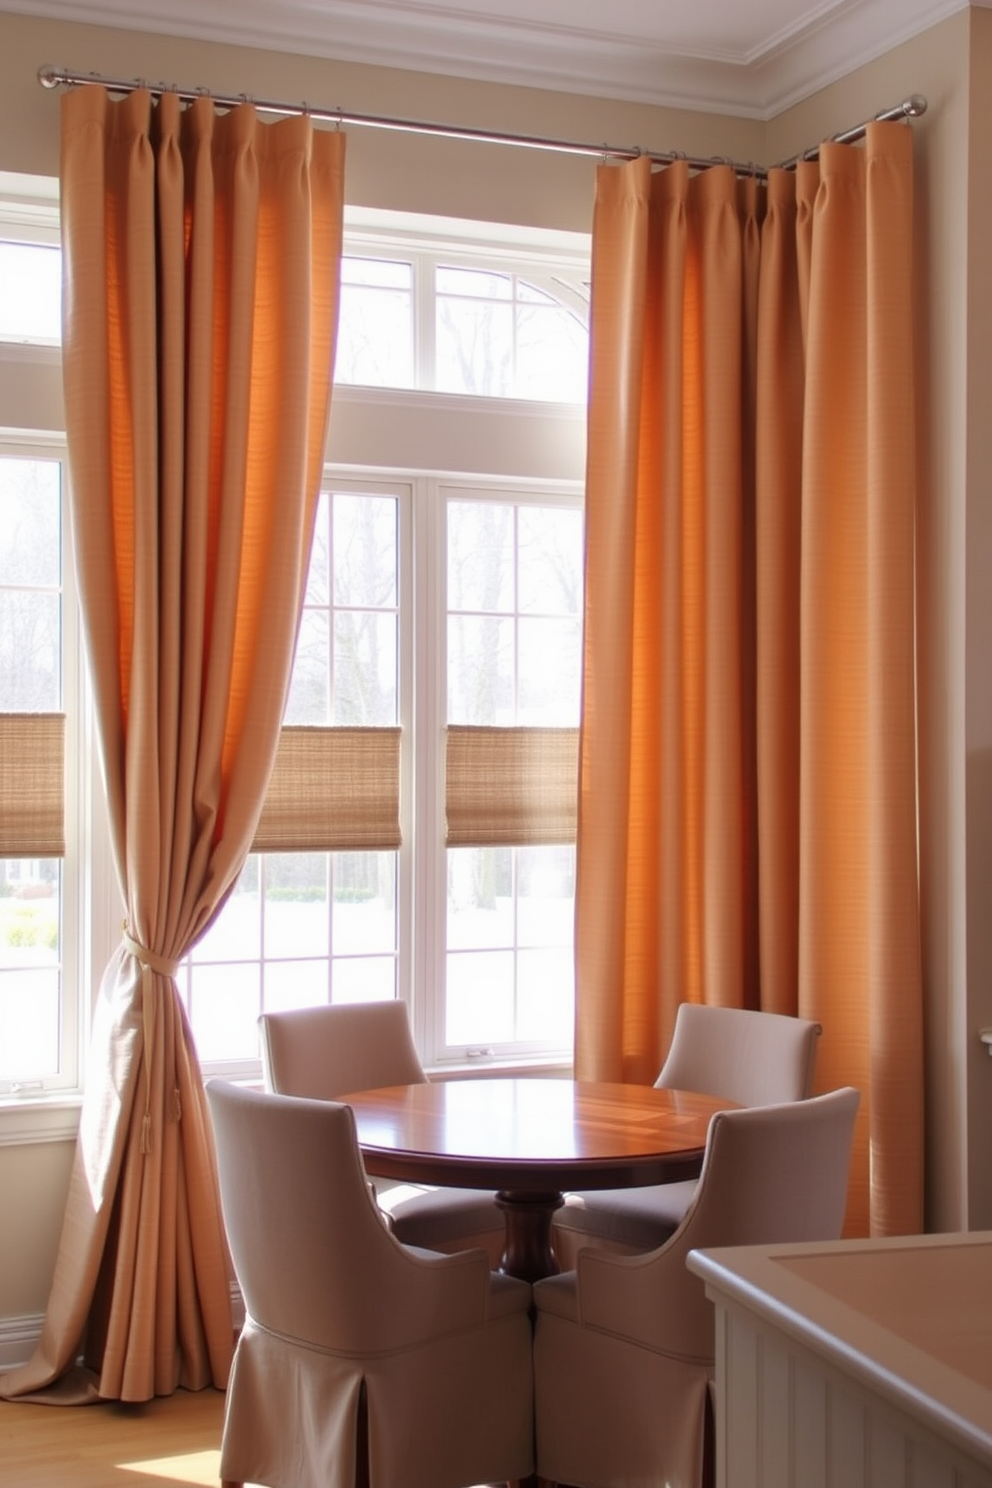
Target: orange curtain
{"x":201,"y":258}
{"x":747,"y":811}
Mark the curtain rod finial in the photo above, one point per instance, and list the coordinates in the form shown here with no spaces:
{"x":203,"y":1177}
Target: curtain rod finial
{"x":48,"y":75}
{"x":915,"y":106}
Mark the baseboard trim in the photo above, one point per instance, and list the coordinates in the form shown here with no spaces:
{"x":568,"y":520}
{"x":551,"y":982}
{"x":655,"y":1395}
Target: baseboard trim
{"x":19,"y":1335}
{"x":18,"y":1339}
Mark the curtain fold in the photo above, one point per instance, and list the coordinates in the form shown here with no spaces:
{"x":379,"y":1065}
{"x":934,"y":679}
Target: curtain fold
{"x":201,"y":256}
{"x":747,"y":798}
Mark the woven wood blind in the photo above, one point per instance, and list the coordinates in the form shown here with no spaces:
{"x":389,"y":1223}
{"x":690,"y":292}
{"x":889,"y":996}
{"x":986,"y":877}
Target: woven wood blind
{"x":333,"y":789}
{"x":32,"y":754}
{"x":511,"y":786}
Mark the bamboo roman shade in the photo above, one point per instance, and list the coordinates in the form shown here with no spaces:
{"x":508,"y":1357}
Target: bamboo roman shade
{"x":332,"y":789}
{"x":32,"y":749}
{"x":511,"y":786}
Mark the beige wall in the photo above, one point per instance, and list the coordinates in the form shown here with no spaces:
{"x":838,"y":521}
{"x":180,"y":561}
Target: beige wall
{"x":385,"y":169}
{"x":951,"y":66}
{"x":34,"y":1181}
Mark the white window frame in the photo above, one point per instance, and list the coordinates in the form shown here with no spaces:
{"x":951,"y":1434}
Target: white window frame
{"x":90,"y":901}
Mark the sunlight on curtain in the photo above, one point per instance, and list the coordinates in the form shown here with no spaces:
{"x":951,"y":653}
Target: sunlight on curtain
{"x":201,"y":256}
{"x":747,"y":762}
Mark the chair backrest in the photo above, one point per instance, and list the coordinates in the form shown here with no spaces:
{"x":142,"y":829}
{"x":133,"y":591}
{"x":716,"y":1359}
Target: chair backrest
{"x":325,"y":1052}
{"x":312,"y":1255}
{"x":753,"y":1058}
{"x":770,"y":1174}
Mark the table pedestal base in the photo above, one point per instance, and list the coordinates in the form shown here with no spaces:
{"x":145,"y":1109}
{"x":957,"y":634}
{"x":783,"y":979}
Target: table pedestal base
{"x":529,"y":1252}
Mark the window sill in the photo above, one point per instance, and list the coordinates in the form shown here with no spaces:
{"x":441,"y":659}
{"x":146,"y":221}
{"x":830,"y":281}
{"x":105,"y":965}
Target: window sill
{"x":55,"y":1118}
{"x":495,"y":1069}
{"x":44,"y":1118}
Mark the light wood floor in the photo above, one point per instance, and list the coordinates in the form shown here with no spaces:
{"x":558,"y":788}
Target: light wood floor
{"x":167,"y":1443}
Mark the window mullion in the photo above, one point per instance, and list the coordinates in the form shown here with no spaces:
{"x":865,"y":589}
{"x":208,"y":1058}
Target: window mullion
{"x":429,"y":610}
{"x":425,"y":322}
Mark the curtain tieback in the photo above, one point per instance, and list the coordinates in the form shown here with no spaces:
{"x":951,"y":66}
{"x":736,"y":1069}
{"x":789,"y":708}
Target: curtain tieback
{"x":149,"y":960}
{"x":149,"y":963}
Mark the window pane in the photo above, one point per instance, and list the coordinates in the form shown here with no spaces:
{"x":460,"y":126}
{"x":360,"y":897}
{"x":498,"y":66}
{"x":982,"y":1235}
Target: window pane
{"x":364,"y":550}
{"x":546,"y":996}
{"x":549,"y":675}
{"x":29,"y":1026}
{"x":29,"y":648}
{"x":364,"y":669}
{"x":295,"y":984}
{"x":479,"y":283}
{"x":355,"y":559}
{"x":552,"y":355}
{"x":364,"y":903}
{"x":279,"y":943}
{"x":527,"y":560}
{"x":296,"y":921}
{"x":30,"y":585}
{"x":480,"y":671}
{"x":550,"y":560}
{"x":522,"y":899}
{"x":375,"y":328}
{"x":223,"y":1006}
{"x":481,"y":556}
{"x":310,"y":687}
{"x":318,"y":574}
{"x":480,"y":999}
{"x":510,"y":910}
{"x":480,"y":898}
{"x":365,"y":979}
{"x":382,"y":273}
{"x":30,"y":968}
{"x":499,"y":336}
{"x":474,"y":348}
{"x":236,"y":934}
{"x":545,"y":895}
{"x":30,"y":292}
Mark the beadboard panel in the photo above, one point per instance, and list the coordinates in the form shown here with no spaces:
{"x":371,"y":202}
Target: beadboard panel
{"x":788,"y":1419}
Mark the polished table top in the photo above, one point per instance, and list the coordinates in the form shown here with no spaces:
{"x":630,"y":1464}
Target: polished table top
{"x":532,"y":1133}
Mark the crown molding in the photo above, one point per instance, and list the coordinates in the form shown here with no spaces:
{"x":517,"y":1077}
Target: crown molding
{"x":832,"y":40}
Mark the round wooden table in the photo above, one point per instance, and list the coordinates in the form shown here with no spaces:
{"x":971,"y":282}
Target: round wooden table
{"x":529,"y":1140}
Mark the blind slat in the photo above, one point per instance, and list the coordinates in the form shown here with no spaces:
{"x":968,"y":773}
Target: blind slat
{"x":511,"y":786}
{"x":333,"y":789}
{"x":32,"y":753}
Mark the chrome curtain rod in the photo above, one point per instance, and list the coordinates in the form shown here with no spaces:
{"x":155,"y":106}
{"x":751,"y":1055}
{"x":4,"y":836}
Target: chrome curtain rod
{"x":54,"y":77}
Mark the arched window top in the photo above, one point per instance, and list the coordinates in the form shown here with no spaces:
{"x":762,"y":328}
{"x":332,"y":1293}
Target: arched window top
{"x":468,"y":308}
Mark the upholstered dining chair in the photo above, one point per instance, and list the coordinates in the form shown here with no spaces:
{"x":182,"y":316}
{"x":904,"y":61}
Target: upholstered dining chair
{"x":361,"y":1360}
{"x":624,"y":1344}
{"x":752,"y":1058}
{"x":324,"y":1052}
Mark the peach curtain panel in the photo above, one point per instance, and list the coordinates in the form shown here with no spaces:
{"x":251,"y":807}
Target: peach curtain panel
{"x":747,"y":810}
{"x":201,"y":269}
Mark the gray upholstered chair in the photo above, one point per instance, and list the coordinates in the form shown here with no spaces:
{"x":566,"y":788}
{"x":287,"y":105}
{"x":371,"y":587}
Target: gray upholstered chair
{"x":624,"y":1344}
{"x":749,"y":1057}
{"x":361,"y":1359}
{"x":324,"y":1052}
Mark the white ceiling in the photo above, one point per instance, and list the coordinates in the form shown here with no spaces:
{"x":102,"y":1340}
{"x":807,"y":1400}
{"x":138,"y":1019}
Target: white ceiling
{"x":751,"y":58}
